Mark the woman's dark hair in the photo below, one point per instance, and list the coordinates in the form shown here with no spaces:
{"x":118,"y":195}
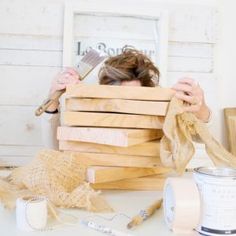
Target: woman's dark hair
{"x":130,"y":65}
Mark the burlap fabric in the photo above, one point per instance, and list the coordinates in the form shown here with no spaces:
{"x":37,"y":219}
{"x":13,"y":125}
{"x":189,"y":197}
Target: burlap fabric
{"x":180,"y":129}
{"x":56,"y":175}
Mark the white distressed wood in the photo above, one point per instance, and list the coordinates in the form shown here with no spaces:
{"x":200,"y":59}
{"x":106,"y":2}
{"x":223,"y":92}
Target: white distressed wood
{"x":48,"y":43}
{"x":192,"y":23}
{"x":31,"y":52}
{"x":19,"y":126}
{"x":30,"y":42}
{"x":190,"y":49}
{"x":182,"y":64}
{"x":25,"y":86}
{"x":17,"y":155}
{"x":30,"y":58}
{"x":53,"y":59}
{"x":15,"y":160}
{"x":20,"y":150}
{"x":31,"y":17}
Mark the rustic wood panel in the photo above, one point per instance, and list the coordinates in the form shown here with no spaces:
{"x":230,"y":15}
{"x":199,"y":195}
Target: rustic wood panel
{"x":192,"y":23}
{"x":102,"y":159}
{"x":114,"y":137}
{"x":183,"y":64}
{"x":151,"y":148}
{"x":142,"y":183}
{"x":52,"y":43}
{"x":30,"y":58}
{"x":12,"y":155}
{"x":122,"y":92}
{"x":232,"y":134}
{"x":99,"y":174}
{"x":230,"y":116}
{"x":46,"y":58}
{"x":25,"y":86}
{"x":112,"y":120}
{"x":19,"y":126}
{"x":117,"y":105}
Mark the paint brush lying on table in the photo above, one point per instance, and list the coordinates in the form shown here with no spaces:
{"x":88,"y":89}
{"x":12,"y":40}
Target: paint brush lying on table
{"x":144,"y":214}
{"x":85,"y":66}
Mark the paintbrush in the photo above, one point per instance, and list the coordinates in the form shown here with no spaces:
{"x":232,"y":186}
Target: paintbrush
{"x":144,"y":214}
{"x":85,"y":66}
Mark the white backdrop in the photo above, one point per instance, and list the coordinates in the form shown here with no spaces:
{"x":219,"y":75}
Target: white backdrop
{"x":31,"y":54}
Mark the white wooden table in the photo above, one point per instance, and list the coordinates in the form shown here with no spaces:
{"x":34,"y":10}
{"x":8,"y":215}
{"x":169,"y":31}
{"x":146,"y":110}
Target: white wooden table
{"x":126,"y":202}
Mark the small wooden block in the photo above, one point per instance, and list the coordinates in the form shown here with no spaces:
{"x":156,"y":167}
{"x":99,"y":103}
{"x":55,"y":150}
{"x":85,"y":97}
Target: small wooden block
{"x":151,"y":148}
{"x":101,"y":159}
{"x":228,"y":113}
{"x":117,"y":105}
{"x":142,"y":183}
{"x":122,"y":92}
{"x":115,"y":137}
{"x":232,"y":133}
{"x":112,"y":120}
{"x":99,"y":174}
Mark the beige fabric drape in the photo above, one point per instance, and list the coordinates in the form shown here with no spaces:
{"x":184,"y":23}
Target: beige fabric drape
{"x":180,"y":128}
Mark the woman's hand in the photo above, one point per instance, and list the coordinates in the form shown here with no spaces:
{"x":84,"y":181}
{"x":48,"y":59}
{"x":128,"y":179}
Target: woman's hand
{"x":189,"y":91}
{"x":61,"y":80}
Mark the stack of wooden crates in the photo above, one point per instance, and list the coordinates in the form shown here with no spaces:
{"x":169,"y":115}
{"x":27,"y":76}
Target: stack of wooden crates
{"x":116,"y":131}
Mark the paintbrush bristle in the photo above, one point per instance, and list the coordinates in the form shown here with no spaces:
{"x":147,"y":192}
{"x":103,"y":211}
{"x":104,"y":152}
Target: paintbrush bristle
{"x":93,"y":57}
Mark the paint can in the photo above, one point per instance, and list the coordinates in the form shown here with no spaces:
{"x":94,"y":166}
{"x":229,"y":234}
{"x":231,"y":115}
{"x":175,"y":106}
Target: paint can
{"x":217,"y":188}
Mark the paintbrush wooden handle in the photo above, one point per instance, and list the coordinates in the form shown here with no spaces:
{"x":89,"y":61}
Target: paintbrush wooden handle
{"x":144,"y":214}
{"x":54,"y":97}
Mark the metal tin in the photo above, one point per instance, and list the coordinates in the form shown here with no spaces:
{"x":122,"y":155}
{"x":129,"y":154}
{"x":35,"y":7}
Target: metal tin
{"x":217,"y":188}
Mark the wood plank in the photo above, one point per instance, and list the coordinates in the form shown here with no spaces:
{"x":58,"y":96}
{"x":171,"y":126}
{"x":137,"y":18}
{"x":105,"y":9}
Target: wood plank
{"x":183,"y":64}
{"x":115,"y":137}
{"x":190,"y":49}
{"x":19,"y":126}
{"x":101,"y":159}
{"x":117,"y":105}
{"x":91,"y":119}
{"x":121,"y":92}
{"x":188,"y":22}
{"x":45,"y":58}
{"x":232,"y":134}
{"x":15,"y":155}
{"x":99,"y":174}
{"x":34,"y":84}
{"x":151,"y":148}
{"x":30,"y":58}
{"x":143,"y":183}
{"x":230,"y":112}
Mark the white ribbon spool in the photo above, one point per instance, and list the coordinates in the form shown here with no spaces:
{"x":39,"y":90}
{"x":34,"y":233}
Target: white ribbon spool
{"x":31,"y":213}
{"x":181,"y":205}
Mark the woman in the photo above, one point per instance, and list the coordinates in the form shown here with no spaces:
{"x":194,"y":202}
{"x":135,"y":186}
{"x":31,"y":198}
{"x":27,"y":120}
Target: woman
{"x":130,"y":68}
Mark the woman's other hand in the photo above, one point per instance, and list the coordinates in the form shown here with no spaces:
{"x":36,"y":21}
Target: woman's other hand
{"x":61,"y":80}
{"x":189,"y":91}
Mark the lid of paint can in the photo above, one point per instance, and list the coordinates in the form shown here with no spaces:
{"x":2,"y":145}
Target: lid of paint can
{"x":225,"y":172}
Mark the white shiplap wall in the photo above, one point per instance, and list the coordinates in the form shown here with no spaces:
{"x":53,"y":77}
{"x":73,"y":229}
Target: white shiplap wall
{"x":31,"y":54}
